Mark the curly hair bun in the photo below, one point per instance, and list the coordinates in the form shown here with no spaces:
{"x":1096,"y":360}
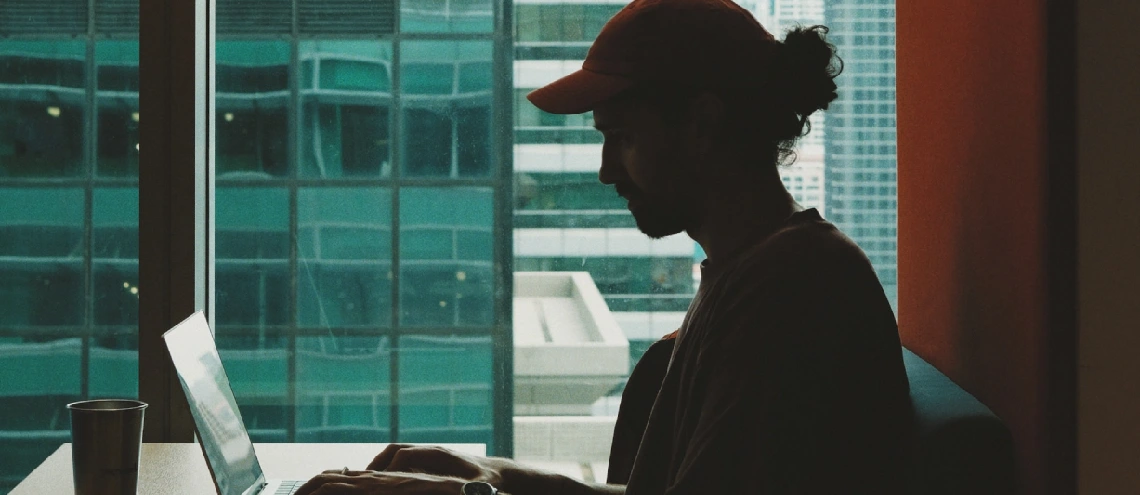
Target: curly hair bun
{"x":807,"y":66}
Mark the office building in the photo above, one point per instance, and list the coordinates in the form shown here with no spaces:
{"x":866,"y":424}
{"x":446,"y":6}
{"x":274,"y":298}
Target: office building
{"x":361,"y":223}
{"x":862,"y":192}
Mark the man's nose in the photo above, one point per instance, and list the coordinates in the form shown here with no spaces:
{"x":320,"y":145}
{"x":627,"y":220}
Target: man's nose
{"x":610,"y":172}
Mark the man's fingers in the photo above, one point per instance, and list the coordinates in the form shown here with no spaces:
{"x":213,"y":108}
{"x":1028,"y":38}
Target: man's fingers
{"x":384,"y":459}
{"x":432,"y":460}
{"x":423,"y":460}
{"x":338,"y":489}
{"x":312,"y":486}
{"x":344,"y":472}
{"x":406,"y":461}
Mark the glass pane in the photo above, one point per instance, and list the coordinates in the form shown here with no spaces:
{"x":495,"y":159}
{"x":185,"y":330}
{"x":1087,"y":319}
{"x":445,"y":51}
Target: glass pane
{"x":446,"y":389}
{"x":344,"y":246}
{"x":114,"y":358}
{"x":257,"y":365}
{"x":332,"y":409}
{"x":117,"y":66}
{"x":252,"y":257}
{"x":69,"y":245}
{"x":566,"y":191}
{"x":41,"y":257}
{"x":447,"y":16}
{"x":38,"y":377}
{"x":860,"y":179}
{"x":345,"y":117}
{"x":42,"y":114}
{"x":251,"y":107}
{"x":304,"y":257}
{"x":447,"y":108}
{"x":114,"y":366}
{"x":445,"y":256}
{"x":115,"y":253}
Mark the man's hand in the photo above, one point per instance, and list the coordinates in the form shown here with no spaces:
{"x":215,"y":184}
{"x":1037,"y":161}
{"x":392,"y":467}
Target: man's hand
{"x":374,"y":483}
{"x":504,"y":474}
{"x":440,"y":461}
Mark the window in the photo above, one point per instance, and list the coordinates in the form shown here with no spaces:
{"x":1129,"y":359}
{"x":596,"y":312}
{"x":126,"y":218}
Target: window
{"x":69,"y":272}
{"x":355,"y":228}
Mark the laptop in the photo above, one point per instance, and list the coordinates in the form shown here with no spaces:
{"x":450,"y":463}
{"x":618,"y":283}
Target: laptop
{"x":225,"y":441}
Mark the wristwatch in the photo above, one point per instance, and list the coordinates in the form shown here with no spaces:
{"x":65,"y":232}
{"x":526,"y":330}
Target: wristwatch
{"x":478,"y":488}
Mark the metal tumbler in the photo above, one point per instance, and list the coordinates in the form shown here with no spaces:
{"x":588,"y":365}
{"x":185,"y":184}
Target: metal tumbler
{"x":106,"y":441}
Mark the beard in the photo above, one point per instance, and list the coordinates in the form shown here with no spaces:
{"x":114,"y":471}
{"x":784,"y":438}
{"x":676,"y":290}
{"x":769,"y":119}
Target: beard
{"x":658,"y":219}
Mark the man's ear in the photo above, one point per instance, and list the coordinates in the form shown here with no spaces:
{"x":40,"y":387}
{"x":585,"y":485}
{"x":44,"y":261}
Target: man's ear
{"x":707,"y":119}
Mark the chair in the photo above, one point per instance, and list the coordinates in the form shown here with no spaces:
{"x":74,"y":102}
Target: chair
{"x":960,"y":446}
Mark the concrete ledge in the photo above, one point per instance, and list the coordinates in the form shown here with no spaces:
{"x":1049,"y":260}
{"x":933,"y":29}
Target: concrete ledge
{"x":564,"y":438}
{"x":568,"y":348}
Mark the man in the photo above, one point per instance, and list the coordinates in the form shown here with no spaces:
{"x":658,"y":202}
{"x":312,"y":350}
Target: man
{"x":786,"y":376}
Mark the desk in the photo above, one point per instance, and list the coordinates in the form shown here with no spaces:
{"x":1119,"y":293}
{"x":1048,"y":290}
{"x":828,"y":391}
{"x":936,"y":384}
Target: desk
{"x":180,"y":468}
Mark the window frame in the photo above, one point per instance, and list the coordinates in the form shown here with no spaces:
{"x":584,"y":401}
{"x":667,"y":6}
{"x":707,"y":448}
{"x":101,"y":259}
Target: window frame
{"x":176,"y":196}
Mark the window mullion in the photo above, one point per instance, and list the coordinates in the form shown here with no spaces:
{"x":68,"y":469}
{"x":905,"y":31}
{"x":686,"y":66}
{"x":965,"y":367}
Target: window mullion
{"x":175,"y":196}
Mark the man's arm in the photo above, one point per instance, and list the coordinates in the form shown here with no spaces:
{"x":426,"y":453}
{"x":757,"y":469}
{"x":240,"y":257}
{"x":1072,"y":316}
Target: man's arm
{"x":521,"y":480}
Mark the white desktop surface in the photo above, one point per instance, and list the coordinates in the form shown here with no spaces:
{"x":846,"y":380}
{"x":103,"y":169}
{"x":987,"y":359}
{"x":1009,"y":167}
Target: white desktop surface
{"x":180,"y":468}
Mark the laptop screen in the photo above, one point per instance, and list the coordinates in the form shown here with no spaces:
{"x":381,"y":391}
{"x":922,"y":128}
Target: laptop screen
{"x":223,"y":435}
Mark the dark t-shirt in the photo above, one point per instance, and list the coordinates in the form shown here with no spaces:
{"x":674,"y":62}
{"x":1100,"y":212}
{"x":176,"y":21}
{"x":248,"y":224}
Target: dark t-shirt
{"x":786,"y":377}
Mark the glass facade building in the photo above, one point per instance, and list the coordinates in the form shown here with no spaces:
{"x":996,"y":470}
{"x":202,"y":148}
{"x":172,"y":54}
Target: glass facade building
{"x":360,"y":190}
{"x":69,"y":292}
{"x":862,"y":190}
{"x":362,"y":217}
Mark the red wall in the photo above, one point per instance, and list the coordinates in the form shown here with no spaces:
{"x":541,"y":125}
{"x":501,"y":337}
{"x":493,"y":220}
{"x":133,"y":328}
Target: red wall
{"x":973,"y":224}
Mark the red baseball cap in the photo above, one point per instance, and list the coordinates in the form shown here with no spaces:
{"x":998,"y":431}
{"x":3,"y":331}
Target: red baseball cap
{"x":713,"y":44}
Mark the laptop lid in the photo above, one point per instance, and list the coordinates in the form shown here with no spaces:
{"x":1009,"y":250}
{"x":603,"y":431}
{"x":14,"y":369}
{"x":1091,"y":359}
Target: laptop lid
{"x":221,"y":431}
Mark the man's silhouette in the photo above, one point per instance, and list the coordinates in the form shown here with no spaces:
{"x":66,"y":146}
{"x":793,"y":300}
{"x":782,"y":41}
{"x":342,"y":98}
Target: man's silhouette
{"x":786,"y":376}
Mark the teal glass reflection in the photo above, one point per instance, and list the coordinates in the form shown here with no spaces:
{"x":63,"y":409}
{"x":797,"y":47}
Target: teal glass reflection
{"x":447,"y":16}
{"x":566,"y":191}
{"x":37,"y":378}
{"x":42,"y":112}
{"x":252,"y":253}
{"x":446,"y":247}
{"x":257,"y":365}
{"x":447,"y":97}
{"x":344,"y":257}
{"x":114,"y":364}
{"x":117,"y":69}
{"x":115,"y":256}
{"x":41,"y":237}
{"x":331,"y":408}
{"x":561,"y":24}
{"x":445,"y":389}
{"x":115,"y":220}
{"x":346,"y":96}
{"x":252,"y":103}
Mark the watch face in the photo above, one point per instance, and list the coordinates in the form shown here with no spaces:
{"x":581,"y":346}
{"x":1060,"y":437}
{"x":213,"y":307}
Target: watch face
{"x":478,"y":488}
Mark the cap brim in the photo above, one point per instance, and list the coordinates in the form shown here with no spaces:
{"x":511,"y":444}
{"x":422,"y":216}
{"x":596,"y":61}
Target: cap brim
{"x":579,"y":92}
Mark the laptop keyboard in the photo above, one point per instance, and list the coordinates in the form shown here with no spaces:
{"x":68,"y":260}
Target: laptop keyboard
{"x":288,"y":487}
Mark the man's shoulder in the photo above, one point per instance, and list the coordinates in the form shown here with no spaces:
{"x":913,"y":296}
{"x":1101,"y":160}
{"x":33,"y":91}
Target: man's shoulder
{"x":803,"y":248}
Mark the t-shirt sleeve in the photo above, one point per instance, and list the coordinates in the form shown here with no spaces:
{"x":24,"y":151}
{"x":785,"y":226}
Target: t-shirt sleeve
{"x":774,"y":392}
{"x":636,"y":404}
